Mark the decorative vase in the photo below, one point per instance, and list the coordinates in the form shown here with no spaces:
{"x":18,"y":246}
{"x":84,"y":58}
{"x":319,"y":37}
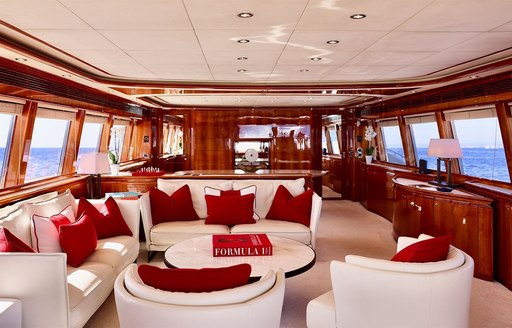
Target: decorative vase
{"x":114,"y":169}
{"x":369,"y":159}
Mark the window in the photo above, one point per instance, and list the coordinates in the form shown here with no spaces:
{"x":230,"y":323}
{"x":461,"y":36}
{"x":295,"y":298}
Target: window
{"x":392,"y":142}
{"x":90,"y":140}
{"x":46,"y":150}
{"x":423,"y":129}
{"x":479,"y":135}
{"x":117,"y":139}
{"x":6,"y":124}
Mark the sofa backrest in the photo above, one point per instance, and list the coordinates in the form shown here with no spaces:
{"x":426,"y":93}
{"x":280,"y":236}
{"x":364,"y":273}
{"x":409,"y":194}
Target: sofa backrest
{"x":265,"y":190}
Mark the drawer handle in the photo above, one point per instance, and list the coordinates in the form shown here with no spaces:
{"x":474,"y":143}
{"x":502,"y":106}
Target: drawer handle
{"x":416,"y":206}
{"x":464,"y":221}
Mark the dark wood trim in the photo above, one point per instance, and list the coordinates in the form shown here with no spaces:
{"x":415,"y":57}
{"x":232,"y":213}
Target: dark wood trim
{"x":407,"y":142}
{"x":105,"y":134}
{"x":73,"y":142}
{"x":505,"y":122}
{"x":28,"y":118}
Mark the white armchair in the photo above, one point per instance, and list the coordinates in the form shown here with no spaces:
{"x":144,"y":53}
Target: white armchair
{"x":254,"y":305}
{"x":379,"y":293}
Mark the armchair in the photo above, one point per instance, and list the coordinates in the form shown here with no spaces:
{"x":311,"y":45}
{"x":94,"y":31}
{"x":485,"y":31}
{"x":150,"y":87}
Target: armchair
{"x":254,"y":305}
{"x":379,"y":293}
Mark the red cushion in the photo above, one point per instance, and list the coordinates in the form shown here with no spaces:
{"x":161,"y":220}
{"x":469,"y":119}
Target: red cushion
{"x":195,"y":280}
{"x":428,"y":250}
{"x":285,"y":207}
{"x":11,"y":243}
{"x":78,"y":240}
{"x":108,"y":221}
{"x":230,"y":210}
{"x":177,"y":207}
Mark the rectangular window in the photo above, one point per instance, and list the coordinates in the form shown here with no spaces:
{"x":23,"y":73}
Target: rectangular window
{"x":479,"y":136}
{"x":117,"y":134}
{"x":423,"y":129}
{"x":334,"y":140}
{"x":6,"y":125}
{"x":46,"y":149}
{"x":90,"y":140}
{"x":392,"y":142}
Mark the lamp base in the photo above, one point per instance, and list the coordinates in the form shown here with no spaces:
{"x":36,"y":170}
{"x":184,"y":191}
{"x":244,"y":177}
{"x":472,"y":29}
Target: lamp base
{"x":444,"y":184}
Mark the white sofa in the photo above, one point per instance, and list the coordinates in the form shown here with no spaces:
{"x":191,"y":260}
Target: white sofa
{"x":255,"y":305}
{"x":369,"y":292}
{"x":52,"y":293}
{"x":159,"y":237}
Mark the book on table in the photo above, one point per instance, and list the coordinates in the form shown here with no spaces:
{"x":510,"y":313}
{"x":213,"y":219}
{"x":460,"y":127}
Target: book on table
{"x":123,"y":195}
{"x":241,"y":245}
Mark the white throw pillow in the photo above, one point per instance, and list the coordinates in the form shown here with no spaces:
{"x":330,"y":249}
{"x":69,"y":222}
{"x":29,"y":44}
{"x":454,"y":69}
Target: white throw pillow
{"x":45,"y":234}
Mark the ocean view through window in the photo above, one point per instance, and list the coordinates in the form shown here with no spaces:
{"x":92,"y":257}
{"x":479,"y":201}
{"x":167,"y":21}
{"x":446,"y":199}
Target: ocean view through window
{"x":5,"y":134}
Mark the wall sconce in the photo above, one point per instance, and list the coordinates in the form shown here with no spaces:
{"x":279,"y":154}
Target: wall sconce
{"x":93,"y":164}
{"x":444,"y":149}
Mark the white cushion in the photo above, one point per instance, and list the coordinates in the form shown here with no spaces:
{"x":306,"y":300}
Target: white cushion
{"x":10,"y":312}
{"x":169,"y":233}
{"x":266,"y":190}
{"x":292,"y":230}
{"x":169,"y":186}
{"x":454,"y":259}
{"x":45,"y":235}
{"x":240,"y":294}
{"x":4,"y":211}
{"x":87,"y":279}
{"x":117,"y":252}
{"x":18,"y":223}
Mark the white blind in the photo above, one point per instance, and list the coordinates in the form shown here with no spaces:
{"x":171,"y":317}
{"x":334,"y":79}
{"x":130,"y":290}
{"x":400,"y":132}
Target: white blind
{"x":420,"y":119}
{"x":388,"y":123}
{"x":118,"y":121}
{"x":470,"y":114}
{"x":95,"y":119}
{"x":56,"y":114}
{"x":10,"y":108}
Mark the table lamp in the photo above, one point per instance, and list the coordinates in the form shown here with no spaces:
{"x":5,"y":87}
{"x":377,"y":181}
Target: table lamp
{"x":93,"y":164}
{"x":445,"y":149}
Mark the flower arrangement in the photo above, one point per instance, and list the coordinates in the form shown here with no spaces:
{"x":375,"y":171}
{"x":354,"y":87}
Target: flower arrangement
{"x":113,"y":155}
{"x":369,"y":134}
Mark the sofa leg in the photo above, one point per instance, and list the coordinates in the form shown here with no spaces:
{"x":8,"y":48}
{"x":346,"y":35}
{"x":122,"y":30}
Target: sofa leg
{"x":150,"y":255}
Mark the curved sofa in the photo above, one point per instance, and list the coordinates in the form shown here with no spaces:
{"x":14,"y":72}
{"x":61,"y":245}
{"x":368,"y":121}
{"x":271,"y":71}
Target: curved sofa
{"x":52,"y":293}
{"x":160,"y":236}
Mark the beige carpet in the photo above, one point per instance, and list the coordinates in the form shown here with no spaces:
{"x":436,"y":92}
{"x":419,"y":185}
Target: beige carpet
{"x":347,"y":228}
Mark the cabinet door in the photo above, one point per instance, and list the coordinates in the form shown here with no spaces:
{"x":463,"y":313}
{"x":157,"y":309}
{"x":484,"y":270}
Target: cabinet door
{"x":412,"y":214}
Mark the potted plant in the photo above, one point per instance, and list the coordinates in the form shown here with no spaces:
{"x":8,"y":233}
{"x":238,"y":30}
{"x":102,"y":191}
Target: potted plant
{"x":369,"y":135}
{"x":113,"y":155}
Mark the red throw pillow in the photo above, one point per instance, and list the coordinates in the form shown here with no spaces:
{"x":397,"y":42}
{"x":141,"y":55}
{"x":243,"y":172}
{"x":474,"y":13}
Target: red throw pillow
{"x":195,"y":280}
{"x":78,"y":240}
{"x":177,"y":207}
{"x":108,"y":221}
{"x":239,"y":192}
{"x":230,"y":210}
{"x":11,"y":243}
{"x":428,"y":250}
{"x":285,"y":207}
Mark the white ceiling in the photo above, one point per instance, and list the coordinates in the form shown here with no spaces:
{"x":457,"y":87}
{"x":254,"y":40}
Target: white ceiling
{"x":194,"y":41}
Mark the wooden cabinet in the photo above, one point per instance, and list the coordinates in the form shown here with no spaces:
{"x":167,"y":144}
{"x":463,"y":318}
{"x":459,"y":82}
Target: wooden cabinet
{"x":379,"y":191}
{"x":467,"y":217}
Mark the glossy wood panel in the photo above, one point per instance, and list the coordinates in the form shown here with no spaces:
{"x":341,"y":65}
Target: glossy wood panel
{"x":28,"y":118}
{"x":466,"y":217}
{"x":505,"y":122}
{"x":105,"y":134}
{"x":333,"y":179}
{"x":379,"y":191}
{"x":73,"y":142}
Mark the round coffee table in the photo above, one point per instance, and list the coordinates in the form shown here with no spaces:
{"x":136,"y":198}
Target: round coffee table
{"x":290,"y":255}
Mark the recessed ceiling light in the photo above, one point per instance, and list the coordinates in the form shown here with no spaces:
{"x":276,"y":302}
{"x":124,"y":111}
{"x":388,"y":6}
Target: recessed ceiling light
{"x":66,"y":75}
{"x":304,"y":70}
{"x":20,"y":59}
{"x":245,"y":15}
{"x":316,"y":58}
{"x":243,"y":41}
{"x":474,"y":77}
{"x":332,"y":42}
{"x":358,"y":16}
{"x":241,"y":70}
{"x":242,"y":58}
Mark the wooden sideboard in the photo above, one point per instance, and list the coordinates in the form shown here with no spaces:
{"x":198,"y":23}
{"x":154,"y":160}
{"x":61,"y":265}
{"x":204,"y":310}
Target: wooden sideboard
{"x":467,"y":217}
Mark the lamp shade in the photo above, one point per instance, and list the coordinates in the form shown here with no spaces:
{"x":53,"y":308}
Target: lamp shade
{"x":93,"y":163}
{"x":444,"y":148}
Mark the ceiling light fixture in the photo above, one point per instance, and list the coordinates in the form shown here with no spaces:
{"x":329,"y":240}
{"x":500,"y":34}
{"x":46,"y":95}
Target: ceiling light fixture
{"x":243,"y":41}
{"x":242,"y":58}
{"x":245,"y":15}
{"x":20,"y":59}
{"x":316,"y":58}
{"x":304,"y":70}
{"x":333,"y":92}
{"x":241,"y":70}
{"x":332,"y":42}
{"x":358,"y":16}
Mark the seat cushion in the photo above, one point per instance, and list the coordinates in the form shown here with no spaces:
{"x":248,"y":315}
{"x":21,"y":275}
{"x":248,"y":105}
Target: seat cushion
{"x":292,"y":230}
{"x":89,"y":278}
{"x":169,"y":233}
{"x":117,"y":252}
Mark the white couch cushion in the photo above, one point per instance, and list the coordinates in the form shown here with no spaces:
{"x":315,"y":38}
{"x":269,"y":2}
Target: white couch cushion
{"x":169,"y":186}
{"x":84,"y":280}
{"x":6,"y":210}
{"x":292,"y":230}
{"x":240,"y":294}
{"x":18,"y":223}
{"x":266,"y":190}
{"x":169,"y":233}
{"x":117,"y":252}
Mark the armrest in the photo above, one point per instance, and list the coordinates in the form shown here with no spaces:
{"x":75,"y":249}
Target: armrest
{"x":316,"y":209}
{"x":31,"y":278}
{"x":10,"y":312}
{"x":147,"y":219}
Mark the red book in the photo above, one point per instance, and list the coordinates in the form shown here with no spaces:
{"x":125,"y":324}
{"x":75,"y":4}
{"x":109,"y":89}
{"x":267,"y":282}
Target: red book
{"x":241,"y":245}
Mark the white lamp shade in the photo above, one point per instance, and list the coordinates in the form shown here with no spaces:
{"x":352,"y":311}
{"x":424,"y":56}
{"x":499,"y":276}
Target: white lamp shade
{"x":444,"y":148}
{"x":93,"y":163}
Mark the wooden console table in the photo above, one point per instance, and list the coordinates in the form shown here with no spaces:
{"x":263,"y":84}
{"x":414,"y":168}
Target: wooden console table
{"x":467,"y":217}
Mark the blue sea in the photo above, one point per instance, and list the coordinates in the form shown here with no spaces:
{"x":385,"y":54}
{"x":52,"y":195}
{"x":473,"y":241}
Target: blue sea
{"x":479,"y":162}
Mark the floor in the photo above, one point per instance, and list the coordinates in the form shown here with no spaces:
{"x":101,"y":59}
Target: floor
{"x":347,"y":228}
